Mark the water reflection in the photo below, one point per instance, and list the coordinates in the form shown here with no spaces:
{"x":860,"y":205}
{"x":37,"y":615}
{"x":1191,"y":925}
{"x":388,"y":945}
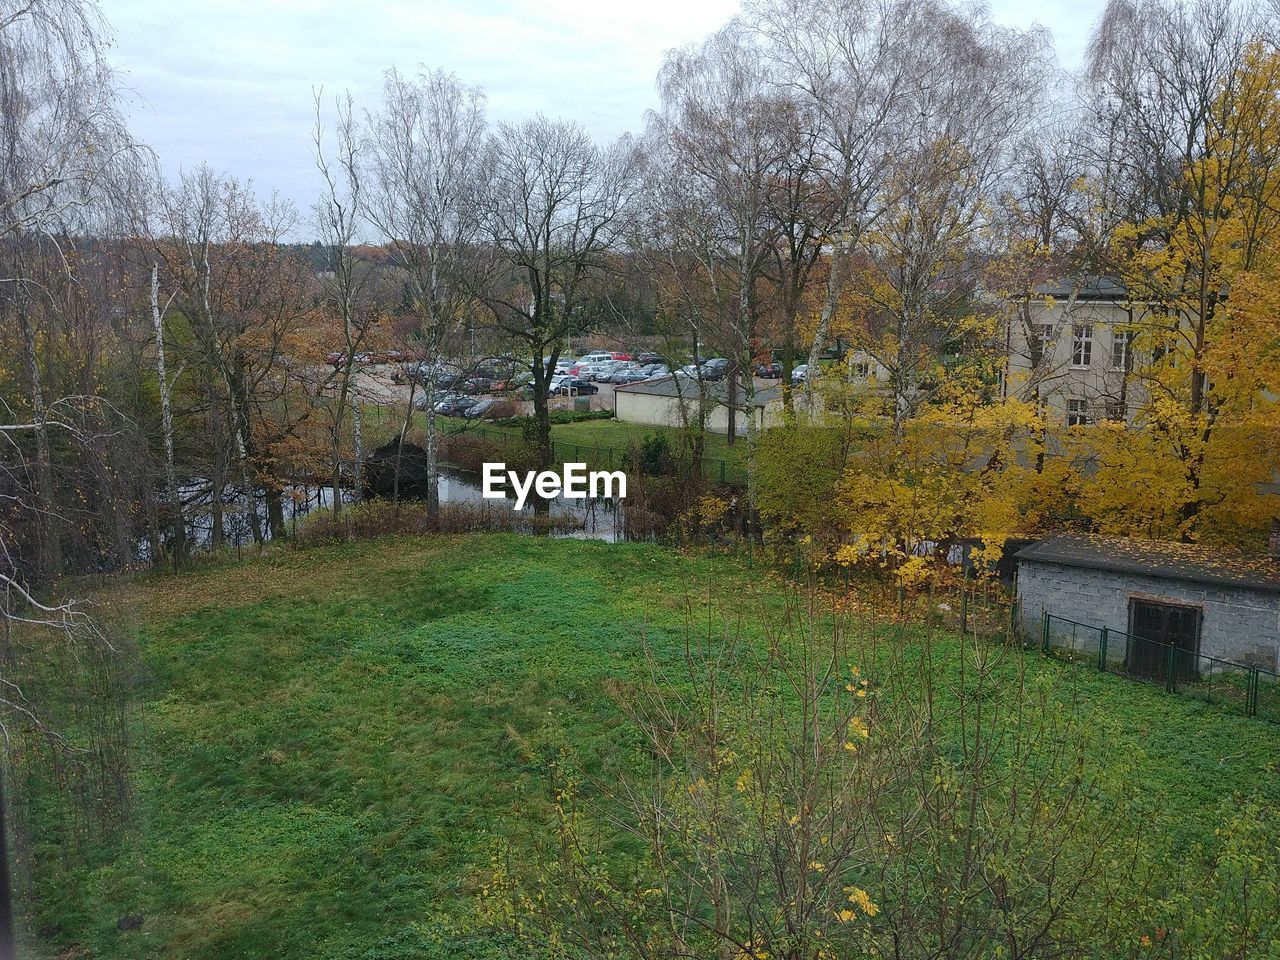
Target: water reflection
{"x":593,"y":519}
{"x":590,"y":519}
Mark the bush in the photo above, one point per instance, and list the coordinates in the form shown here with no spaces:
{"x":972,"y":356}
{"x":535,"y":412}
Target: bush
{"x":554,"y":417}
{"x":467,"y":451}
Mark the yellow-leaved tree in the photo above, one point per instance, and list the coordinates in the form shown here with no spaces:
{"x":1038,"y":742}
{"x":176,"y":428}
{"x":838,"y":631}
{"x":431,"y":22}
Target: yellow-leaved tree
{"x":1202,"y":447}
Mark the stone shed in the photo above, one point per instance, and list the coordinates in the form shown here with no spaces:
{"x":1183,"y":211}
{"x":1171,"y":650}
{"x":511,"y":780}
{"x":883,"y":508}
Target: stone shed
{"x":1201,"y":600}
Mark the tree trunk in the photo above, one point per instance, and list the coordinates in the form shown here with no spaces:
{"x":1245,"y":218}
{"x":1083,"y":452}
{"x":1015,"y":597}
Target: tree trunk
{"x":404,"y":430}
{"x":829,"y":304}
{"x":542,"y":414}
{"x":339,"y":417}
{"x":240,"y":431}
{"x":50,"y":559}
{"x":217,"y":534}
{"x":433,"y":454}
{"x":358,"y":443}
{"x":275,"y":513}
{"x":174,"y":504}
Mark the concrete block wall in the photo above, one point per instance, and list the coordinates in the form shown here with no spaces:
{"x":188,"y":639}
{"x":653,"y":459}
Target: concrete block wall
{"x":1239,"y":625}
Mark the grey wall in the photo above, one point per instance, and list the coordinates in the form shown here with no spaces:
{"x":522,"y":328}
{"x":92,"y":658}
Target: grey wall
{"x":1239,"y":625}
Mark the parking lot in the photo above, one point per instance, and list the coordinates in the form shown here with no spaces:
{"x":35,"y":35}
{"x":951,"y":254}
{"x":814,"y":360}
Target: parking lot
{"x":376,"y":384}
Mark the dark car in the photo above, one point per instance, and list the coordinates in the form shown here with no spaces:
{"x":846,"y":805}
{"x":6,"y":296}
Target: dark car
{"x":576,"y":385}
{"x":647,"y":358}
{"x":475,"y":385}
{"x":480,"y":409}
{"x":714,"y":369}
{"x":455,"y":406}
{"x":449,"y":377}
{"x":769,"y":371}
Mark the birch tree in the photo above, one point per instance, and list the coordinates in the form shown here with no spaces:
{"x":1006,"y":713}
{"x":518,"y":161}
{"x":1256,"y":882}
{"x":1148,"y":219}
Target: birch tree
{"x":339,"y":215}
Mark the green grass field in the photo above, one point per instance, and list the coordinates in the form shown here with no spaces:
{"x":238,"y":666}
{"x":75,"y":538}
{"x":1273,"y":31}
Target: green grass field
{"x":327,"y":741}
{"x":381,"y":423}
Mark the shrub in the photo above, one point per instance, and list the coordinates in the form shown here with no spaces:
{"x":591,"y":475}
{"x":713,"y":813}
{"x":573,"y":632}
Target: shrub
{"x":470,"y":452}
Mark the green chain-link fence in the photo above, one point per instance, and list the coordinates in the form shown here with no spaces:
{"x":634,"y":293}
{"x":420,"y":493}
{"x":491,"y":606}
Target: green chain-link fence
{"x":1249,"y":690}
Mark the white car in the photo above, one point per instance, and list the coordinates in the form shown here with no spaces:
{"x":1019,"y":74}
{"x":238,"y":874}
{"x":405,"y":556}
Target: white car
{"x":598,"y":356}
{"x":800,"y":373}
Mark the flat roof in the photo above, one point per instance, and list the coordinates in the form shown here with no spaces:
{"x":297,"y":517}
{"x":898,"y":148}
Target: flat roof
{"x":1191,"y":562}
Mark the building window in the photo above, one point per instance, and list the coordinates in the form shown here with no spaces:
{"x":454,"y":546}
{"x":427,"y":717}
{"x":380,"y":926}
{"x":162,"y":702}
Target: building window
{"x":1077,"y":413}
{"x":1122,"y":350}
{"x":861,"y":368}
{"x":1081,"y":344}
{"x":1116,"y":410}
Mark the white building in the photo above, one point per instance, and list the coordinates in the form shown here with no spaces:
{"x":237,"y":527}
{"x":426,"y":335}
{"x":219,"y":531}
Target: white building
{"x":678,"y":401}
{"x":1072,"y":346}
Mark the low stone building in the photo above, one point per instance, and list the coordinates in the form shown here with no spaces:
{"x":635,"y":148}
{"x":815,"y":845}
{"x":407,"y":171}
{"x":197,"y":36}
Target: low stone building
{"x":676,"y":401}
{"x":1203,"y":601}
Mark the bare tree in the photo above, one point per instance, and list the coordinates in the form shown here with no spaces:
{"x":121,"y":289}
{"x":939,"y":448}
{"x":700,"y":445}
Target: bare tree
{"x":553,"y":205}
{"x":728,"y":134}
{"x":426,"y":147}
{"x":62,"y":139}
{"x":339,"y":214}
{"x":847,"y":64}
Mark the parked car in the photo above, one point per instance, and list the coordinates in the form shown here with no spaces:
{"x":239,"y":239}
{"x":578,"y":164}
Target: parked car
{"x":610,"y":367}
{"x":632,"y":376}
{"x":800,"y":374}
{"x":769,"y":371}
{"x":617,"y":355}
{"x":572,"y":386}
{"x":588,"y":371}
{"x":715,"y":368}
{"x":474,"y":385}
{"x":650,"y":358}
{"x":597,"y":356}
{"x":514,"y":383}
{"x":480,"y":410}
{"x":447,"y":377}
{"x":455,"y":406}
{"x":620,"y":373}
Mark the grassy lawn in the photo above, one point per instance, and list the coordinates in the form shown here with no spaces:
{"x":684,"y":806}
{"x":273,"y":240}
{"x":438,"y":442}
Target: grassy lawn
{"x":599,"y":442}
{"x":328,"y":741}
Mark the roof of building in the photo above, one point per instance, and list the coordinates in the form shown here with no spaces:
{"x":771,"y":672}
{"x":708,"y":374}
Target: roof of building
{"x":689,"y":389}
{"x":1084,"y":288}
{"x":1159,"y":558}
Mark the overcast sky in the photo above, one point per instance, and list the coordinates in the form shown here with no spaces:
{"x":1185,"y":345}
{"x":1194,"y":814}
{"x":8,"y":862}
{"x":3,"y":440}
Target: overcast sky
{"x":230,"y":82}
